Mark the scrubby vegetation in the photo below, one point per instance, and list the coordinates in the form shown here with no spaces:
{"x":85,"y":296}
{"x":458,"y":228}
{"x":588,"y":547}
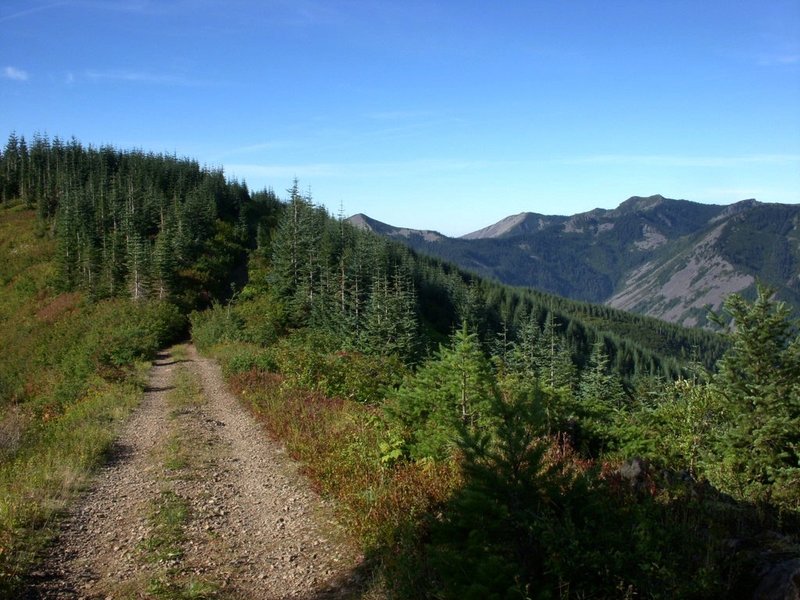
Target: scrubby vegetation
{"x":482,"y":441}
{"x":68,"y":377}
{"x":502,"y":498}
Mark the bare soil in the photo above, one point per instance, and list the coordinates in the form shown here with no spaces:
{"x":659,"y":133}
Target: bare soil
{"x":253,"y":528}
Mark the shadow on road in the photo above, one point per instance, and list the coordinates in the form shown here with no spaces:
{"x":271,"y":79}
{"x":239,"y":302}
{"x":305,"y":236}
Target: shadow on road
{"x":157,"y":388}
{"x":351,"y":585}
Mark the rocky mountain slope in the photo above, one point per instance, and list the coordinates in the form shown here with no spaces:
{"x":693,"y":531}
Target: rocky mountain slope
{"x":665,"y":258}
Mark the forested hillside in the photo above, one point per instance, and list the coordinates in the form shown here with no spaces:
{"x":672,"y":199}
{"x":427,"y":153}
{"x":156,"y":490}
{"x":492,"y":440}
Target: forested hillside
{"x":130,"y":223}
{"x":504,"y":461}
{"x":480,"y":440}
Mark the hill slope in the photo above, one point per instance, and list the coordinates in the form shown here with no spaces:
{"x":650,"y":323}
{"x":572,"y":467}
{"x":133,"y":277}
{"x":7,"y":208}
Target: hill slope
{"x":656,"y":256}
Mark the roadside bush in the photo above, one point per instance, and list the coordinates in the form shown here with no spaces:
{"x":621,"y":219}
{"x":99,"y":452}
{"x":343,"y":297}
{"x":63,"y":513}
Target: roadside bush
{"x":242,"y":357}
{"x":262,"y":318}
{"x":215,"y":325}
{"x":360,"y":377}
{"x":124,"y":332}
{"x":307,"y":360}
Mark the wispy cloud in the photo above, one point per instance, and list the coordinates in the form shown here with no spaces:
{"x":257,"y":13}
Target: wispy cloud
{"x":398,"y":115}
{"x":118,"y":5}
{"x":285,"y":171}
{"x":34,"y":9}
{"x":675,"y":160}
{"x":15,"y":74}
{"x":772,"y":60}
{"x":260,"y":147}
{"x":150,"y":7}
{"x":143,"y":77}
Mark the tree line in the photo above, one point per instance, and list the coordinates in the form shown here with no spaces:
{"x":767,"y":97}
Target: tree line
{"x":130,"y":223}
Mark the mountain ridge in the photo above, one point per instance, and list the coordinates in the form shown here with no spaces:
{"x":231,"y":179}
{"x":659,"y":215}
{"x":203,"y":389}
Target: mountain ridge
{"x":667,"y":258}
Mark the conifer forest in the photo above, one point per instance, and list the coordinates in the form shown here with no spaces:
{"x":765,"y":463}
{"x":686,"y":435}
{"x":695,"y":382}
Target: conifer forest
{"x":479,"y":440}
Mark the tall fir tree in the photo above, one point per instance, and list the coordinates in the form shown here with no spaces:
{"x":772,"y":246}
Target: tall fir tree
{"x":759,"y":377}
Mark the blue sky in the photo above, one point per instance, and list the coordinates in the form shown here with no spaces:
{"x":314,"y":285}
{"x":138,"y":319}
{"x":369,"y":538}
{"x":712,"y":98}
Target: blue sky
{"x":439,"y":115}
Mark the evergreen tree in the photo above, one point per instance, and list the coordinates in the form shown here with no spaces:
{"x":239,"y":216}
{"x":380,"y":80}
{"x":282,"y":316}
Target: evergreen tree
{"x":390,"y":326}
{"x":557,"y":368}
{"x":452,"y":390}
{"x":600,"y":397}
{"x":138,"y":263}
{"x":163,"y":263}
{"x":760,"y":379}
{"x":470,"y":305}
{"x":296,"y":266}
{"x":498,"y":534}
{"x":527,"y":356}
{"x":68,"y":228}
{"x":11,"y":161}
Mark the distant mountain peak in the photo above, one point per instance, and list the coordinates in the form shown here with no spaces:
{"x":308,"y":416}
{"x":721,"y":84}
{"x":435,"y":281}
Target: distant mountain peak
{"x":362,"y":221}
{"x":642,"y":203}
{"x":499,"y":228}
{"x":736,"y":208}
{"x":525,"y":222}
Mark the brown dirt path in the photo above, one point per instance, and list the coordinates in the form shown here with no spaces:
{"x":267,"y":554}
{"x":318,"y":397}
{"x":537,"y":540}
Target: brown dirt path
{"x":252,"y":525}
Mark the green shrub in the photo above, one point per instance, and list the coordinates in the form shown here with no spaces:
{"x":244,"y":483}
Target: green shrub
{"x":360,"y":377}
{"x":307,"y":361}
{"x":124,"y":332}
{"x":242,"y":357}
{"x":215,"y":325}
{"x":263,"y":319}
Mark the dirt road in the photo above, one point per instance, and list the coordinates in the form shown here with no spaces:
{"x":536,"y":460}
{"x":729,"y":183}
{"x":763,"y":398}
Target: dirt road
{"x":196,"y":502}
